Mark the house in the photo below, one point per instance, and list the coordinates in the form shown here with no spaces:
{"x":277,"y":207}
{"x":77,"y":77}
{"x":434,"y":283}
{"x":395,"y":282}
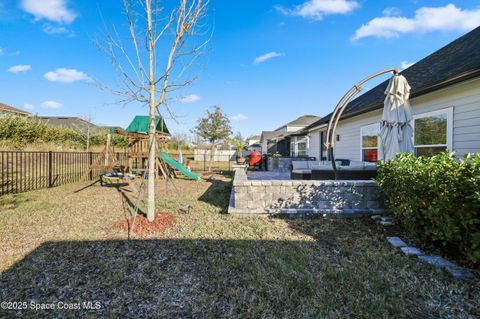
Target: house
{"x":7,"y":109}
{"x":289,"y":139}
{"x":71,"y":122}
{"x":445,"y":99}
{"x":255,"y":139}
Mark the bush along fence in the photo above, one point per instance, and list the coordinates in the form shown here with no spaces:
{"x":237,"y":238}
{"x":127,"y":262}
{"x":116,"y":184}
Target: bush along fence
{"x":436,"y":199}
{"x":25,"y":171}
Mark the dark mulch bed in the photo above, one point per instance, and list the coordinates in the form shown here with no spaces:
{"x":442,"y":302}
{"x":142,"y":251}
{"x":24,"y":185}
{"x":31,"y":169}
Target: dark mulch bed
{"x":141,"y":227}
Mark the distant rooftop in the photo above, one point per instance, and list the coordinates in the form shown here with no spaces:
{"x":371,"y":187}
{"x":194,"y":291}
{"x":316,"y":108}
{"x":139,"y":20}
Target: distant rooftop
{"x":11,"y":109}
{"x":72,"y":122}
{"x":304,"y":120}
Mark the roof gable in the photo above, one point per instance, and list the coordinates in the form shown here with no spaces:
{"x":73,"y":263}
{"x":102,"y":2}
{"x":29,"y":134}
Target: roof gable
{"x":459,"y":60}
{"x":11,"y":109}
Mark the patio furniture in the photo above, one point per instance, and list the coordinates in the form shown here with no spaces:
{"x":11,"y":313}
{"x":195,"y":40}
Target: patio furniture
{"x":354,"y":171}
{"x":301,"y":170}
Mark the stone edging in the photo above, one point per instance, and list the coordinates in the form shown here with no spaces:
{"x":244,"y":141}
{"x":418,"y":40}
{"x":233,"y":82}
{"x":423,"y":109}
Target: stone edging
{"x":456,"y":271}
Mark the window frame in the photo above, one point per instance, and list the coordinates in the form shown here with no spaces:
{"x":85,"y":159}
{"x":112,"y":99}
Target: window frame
{"x":449,"y":112}
{"x":361,"y":139}
{"x":298,"y":140}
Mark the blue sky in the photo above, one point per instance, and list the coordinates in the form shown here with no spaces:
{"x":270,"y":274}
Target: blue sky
{"x":268,"y":61}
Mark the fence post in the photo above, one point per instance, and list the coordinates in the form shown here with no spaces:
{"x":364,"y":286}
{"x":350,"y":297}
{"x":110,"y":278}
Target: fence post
{"x":50,"y":180}
{"x":204,"y":161}
{"x":90,"y":156}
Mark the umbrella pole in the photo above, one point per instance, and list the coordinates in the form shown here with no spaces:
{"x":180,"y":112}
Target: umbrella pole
{"x":338,"y":111}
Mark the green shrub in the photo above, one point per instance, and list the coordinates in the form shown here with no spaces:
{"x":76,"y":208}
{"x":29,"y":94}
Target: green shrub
{"x":436,"y":198}
{"x":20,"y":131}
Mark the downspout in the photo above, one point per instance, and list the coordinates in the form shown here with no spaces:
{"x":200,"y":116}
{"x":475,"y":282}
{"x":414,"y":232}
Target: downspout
{"x":338,"y":111}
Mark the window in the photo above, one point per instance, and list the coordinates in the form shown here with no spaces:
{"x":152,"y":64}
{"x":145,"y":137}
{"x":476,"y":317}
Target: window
{"x":432,"y":132}
{"x":323,"y":149}
{"x":369,"y":142}
{"x":301,"y":146}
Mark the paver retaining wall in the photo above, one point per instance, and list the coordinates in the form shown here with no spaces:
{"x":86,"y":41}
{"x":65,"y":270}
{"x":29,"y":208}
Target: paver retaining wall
{"x":335,"y":198}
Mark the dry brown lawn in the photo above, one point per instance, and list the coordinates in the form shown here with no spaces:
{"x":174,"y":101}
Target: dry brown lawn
{"x":59,"y":245}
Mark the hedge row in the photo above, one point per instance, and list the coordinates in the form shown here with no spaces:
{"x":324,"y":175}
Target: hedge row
{"x":436,"y":198}
{"x":21,"y":131}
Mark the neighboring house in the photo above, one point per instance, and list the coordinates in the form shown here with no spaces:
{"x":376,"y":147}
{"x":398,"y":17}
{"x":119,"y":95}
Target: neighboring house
{"x":289,"y":139}
{"x":445,"y":99}
{"x":253,"y":140}
{"x":71,"y":122}
{"x":7,"y":109}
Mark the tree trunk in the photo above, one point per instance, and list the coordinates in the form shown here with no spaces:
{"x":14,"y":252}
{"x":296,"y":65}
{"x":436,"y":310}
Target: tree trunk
{"x":152,"y":128}
{"x":88,"y":138}
{"x":212,"y":150}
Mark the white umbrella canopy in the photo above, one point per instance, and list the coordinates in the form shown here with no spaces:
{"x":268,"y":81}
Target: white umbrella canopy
{"x":396,"y":132}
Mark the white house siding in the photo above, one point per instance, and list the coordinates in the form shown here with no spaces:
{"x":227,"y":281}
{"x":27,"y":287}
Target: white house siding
{"x":314,"y":145}
{"x":463,"y":97}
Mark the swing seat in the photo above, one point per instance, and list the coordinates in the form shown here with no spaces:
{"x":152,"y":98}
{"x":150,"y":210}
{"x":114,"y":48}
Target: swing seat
{"x":113,"y":179}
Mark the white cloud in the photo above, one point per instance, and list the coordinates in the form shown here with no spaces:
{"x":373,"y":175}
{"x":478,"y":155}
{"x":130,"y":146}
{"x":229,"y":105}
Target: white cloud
{"x":266,"y":56}
{"x":317,"y":9}
{"x":50,"y":29}
{"x":64,"y":75}
{"x":406,"y":64}
{"x":392,"y":11}
{"x":426,"y":19}
{"x":19,"y":68}
{"x":51,"y":105}
{"x":28,"y":106}
{"x":192,"y":98}
{"x":52,"y":10}
{"x":239,"y":117}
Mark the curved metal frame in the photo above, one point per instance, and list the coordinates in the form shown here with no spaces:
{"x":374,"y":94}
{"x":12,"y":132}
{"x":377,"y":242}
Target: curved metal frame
{"x":338,"y":111}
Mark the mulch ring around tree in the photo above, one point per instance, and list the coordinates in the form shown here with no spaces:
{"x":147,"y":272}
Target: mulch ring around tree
{"x":143,"y":228}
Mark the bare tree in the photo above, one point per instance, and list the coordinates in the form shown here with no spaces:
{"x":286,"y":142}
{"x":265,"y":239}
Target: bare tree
{"x":148,"y":78}
{"x":85,"y":130}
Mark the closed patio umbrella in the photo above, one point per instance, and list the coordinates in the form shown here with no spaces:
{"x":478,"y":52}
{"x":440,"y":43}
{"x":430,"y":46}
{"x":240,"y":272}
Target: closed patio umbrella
{"x":396,"y":130}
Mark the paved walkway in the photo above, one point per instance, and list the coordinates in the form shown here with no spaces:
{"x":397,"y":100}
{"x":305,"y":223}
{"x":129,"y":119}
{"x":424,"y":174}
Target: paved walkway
{"x":260,"y":175}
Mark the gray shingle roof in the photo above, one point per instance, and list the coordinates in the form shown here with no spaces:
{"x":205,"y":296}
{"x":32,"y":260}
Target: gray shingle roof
{"x":304,"y":120}
{"x":457,"y":61}
{"x":72,"y":122}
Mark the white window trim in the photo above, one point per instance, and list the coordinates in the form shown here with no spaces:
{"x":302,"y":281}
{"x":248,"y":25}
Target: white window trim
{"x":303,"y":139}
{"x":449,"y":112}
{"x":361,"y":139}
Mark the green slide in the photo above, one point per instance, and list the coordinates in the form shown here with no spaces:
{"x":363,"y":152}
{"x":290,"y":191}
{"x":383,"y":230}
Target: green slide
{"x":164,"y":156}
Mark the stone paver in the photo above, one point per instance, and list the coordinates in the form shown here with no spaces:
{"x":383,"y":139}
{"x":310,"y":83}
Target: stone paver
{"x":376,"y":217}
{"x":456,"y":271}
{"x":436,"y":261}
{"x":261,"y":175}
{"x":411,"y":251}
{"x":460,"y":273}
{"x":386,"y":223}
{"x":386,"y":219}
{"x":396,"y":242}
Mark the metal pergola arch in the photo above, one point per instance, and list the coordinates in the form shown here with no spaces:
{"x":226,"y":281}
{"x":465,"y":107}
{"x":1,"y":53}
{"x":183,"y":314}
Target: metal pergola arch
{"x":338,"y":111}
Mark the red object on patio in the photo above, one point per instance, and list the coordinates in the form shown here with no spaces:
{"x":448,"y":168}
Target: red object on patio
{"x":254,"y":158}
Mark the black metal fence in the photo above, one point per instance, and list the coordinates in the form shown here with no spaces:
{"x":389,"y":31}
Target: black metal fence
{"x":25,"y":171}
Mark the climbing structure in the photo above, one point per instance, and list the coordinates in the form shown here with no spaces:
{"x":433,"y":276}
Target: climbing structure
{"x":138,"y":141}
